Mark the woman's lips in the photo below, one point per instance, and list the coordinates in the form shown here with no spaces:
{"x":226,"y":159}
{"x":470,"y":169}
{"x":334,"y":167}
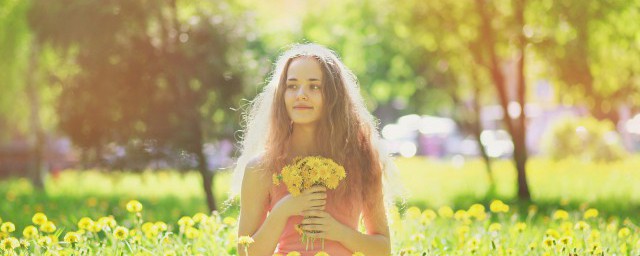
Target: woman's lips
{"x":303,"y":108}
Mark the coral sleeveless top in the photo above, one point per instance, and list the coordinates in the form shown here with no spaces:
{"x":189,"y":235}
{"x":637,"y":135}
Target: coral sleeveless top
{"x":290,"y":239}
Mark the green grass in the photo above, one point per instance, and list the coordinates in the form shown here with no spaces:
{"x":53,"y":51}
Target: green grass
{"x":571,"y":185}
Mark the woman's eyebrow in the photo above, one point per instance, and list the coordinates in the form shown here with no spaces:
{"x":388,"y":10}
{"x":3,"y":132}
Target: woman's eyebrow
{"x":310,"y":79}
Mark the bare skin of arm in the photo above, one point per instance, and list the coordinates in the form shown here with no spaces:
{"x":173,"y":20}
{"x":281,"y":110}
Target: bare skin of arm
{"x":253,"y":200}
{"x":375,"y":242}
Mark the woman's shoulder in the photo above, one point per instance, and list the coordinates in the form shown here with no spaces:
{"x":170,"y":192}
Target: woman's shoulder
{"x":255,"y":173}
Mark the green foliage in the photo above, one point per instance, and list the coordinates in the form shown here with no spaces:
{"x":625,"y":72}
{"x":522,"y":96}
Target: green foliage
{"x":585,"y":138}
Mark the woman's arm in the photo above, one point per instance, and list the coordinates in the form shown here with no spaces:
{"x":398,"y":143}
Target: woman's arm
{"x":375,"y":242}
{"x":266,"y":230}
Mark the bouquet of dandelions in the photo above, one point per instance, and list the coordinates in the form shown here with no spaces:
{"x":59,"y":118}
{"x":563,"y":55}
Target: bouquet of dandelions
{"x":305,"y":172}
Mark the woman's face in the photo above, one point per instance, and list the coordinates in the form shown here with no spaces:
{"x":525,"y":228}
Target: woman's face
{"x":303,"y":93}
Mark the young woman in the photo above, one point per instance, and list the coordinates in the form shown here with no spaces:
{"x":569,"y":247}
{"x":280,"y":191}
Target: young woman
{"x":312,"y":107}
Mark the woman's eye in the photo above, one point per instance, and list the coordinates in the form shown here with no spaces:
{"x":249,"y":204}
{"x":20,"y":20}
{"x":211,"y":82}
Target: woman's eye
{"x":292,"y":86}
{"x":315,"y":87}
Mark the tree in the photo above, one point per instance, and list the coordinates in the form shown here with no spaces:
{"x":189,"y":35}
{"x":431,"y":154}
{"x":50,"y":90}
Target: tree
{"x":156,"y":76}
{"x":592,"y":50}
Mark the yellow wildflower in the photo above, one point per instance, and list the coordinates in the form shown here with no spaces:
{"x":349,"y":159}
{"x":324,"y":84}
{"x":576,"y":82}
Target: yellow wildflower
{"x":560,"y":215}
{"x":581,"y":225}
{"x":48,"y":227}
{"x":9,"y":244}
{"x":134,"y":206}
{"x":566,"y":240}
{"x":161,"y":226}
{"x":72,"y":237}
{"x":495,"y":227}
{"x":413,"y":213}
{"x":245,"y":240}
{"x":357,"y":254}
{"x":44,"y":241}
{"x":552,"y":233}
{"x":85,"y":223}
{"x":549,"y":242}
{"x":229,"y":221}
{"x":121,"y":233}
{"x":107,"y":222}
{"x":321,"y":253}
{"x":445,"y":212}
{"x":30,"y":232}
{"x":186,"y":221}
{"x":192,"y":233}
{"x":498,"y":206}
{"x":590,"y":213}
{"x":624,"y":232}
{"x":520,"y":227}
{"x":293,"y":253}
{"x":39,"y":218}
{"x":199,"y":217}
{"x":7,"y":227}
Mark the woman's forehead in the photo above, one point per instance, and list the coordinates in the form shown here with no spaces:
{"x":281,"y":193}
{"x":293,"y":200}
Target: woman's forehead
{"x":304,"y":67}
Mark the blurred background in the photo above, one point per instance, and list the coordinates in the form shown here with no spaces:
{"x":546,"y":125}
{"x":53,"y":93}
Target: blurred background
{"x":526,"y":101}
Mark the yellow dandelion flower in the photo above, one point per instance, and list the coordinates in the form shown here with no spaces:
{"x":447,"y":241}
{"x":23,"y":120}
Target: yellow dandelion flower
{"x":95,"y":227}
{"x":357,"y":254}
{"x":147,"y":226}
{"x":161,"y":226}
{"x":498,"y":206}
{"x":245,"y":240}
{"x":429,"y":214}
{"x":30,"y":232}
{"x":552,"y":233}
{"x":186,"y":221}
{"x":590,"y":213}
{"x":192,"y":233}
{"x":460,"y":215}
{"x":581,"y":225}
{"x":121,"y":233}
{"x":624,"y":232}
{"x":48,"y":227}
{"x":7,"y":227}
{"x":199,"y":217}
{"x":85,"y":223}
{"x":566,"y":240}
{"x":532,"y":246}
{"x":134,"y":206}
{"x":462,"y":230}
{"x":107,"y":222}
{"x":230,"y":221}
{"x":413,"y":213}
{"x":549,"y":242}
{"x":594,"y":235}
{"x":511,"y":251}
{"x":566,"y":227}
{"x":495,"y":227}
{"x":44,"y":241}
{"x":72,"y":237}
{"x":293,"y":253}
{"x":10,"y":243}
{"x":321,"y":253}
{"x":445,"y":212}
{"x":520,"y":227}
{"x":560,"y":215}
{"x":39,"y":218}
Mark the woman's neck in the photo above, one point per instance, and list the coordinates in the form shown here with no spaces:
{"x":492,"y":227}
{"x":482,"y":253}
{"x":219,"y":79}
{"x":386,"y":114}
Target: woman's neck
{"x":303,"y":141}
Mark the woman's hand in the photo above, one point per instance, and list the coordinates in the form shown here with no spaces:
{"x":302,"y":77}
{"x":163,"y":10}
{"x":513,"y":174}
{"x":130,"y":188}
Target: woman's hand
{"x":314,"y":198}
{"x":320,"y":224}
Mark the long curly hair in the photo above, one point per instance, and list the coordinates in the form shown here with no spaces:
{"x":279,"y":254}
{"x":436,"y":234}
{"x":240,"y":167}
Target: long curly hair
{"x":347,"y":132}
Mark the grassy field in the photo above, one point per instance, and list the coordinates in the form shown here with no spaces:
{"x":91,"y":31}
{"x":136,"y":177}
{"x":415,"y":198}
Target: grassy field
{"x":433,"y":185}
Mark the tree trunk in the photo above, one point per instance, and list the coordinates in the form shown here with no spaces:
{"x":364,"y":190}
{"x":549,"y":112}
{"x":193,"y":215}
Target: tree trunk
{"x":207,"y":179}
{"x":520,"y":132}
{"x":36,"y":168}
{"x":517,"y":131}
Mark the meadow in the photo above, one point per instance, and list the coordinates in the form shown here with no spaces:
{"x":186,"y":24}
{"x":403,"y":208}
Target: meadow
{"x":578,"y":207}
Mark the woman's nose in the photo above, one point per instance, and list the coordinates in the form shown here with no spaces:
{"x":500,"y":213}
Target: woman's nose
{"x":302,"y":94}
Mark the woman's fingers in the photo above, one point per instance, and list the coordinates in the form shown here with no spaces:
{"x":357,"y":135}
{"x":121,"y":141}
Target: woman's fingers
{"x":313,"y":228}
{"x":314,"y":213}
